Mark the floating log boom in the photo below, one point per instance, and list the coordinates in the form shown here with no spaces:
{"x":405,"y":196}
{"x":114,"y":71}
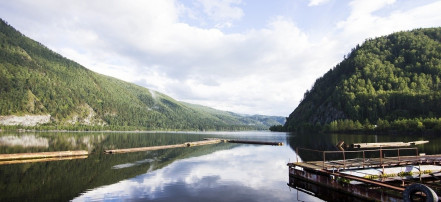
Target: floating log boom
{"x":256,"y":142}
{"x":40,"y":155}
{"x":206,"y":141}
{"x":139,"y":149}
{"x":41,"y":160}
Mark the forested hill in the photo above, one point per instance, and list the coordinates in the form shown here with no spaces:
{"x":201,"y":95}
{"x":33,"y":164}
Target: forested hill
{"x":37,"y":81}
{"x":388,"y":83}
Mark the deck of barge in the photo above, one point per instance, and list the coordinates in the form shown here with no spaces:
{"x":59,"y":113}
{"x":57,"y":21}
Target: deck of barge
{"x":364,"y":162}
{"x":371,"y":162}
{"x":325,"y":172}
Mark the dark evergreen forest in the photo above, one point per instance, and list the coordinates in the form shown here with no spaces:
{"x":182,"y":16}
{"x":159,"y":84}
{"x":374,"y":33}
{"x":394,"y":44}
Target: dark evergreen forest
{"x":391,"y":83}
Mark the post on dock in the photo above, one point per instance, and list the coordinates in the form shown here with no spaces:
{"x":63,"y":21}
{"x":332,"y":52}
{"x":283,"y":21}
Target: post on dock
{"x":416,"y":155}
{"x":420,"y":173}
{"x":344,"y":160}
{"x":297,"y":153}
{"x":381,"y":156}
{"x":324,"y":159}
{"x":364,"y":158}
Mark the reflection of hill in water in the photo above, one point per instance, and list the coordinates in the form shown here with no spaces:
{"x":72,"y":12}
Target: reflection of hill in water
{"x":24,"y":141}
{"x":64,"y":180}
{"x":328,"y":142}
{"x":43,"y":142}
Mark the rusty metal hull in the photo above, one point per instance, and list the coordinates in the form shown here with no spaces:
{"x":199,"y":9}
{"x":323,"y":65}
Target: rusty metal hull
{"x":329,"y":187}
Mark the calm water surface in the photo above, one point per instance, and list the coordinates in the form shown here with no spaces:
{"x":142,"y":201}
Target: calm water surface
{"x":220,"y":172}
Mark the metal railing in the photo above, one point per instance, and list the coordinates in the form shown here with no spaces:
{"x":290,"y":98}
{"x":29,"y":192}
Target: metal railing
{"x":363,"y":152}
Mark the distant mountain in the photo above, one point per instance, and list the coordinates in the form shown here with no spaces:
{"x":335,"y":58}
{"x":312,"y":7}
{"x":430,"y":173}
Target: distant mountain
{"x":39,"y":86}
{"x":380,"y":83}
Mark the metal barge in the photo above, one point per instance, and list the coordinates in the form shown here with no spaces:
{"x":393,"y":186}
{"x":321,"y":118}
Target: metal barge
{"x":368,"y":175}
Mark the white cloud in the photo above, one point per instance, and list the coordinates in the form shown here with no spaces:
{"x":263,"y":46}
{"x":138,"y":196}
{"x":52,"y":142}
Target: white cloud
{"x":365,"y":20}
{"x":317,"y":2}
{"x":363,"y":7}
{"x":362,"y":18}
{"x":222,"y":10}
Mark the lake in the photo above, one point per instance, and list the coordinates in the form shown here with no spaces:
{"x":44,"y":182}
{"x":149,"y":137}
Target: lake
{"x":219,"y":172}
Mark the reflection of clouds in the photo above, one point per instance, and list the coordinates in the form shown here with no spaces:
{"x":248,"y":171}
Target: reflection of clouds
{"x":128,"y":165}
{"x":246,"y":172}
{"x":24,"y":141}
{"x":252,"y":165}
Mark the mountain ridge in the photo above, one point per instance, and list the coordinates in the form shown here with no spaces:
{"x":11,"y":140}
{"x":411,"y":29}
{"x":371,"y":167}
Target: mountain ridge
{"x":384,"y":81}
{"x":35,"y":80}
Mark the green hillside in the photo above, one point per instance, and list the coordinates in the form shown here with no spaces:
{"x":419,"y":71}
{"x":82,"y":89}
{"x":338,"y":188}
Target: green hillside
{"x":387,"y":84}
{"x":37,"y":81}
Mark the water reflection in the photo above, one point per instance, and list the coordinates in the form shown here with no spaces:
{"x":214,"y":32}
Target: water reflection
{"x":128,"y":165}
{"x":46,"y":181}
{"x":244,"y":173}
{"x":221,"y":172}
{"x":41,"y":142}
{"x":24,"y":141}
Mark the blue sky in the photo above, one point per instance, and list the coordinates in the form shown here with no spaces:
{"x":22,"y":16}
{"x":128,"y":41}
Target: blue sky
{"x":245,"y":56}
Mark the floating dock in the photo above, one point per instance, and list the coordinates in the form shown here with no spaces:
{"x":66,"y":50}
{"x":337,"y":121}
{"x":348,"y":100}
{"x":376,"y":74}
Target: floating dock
{"x":387,"y":144}
{"x":358,"y":176}
{"x":341,"y":145}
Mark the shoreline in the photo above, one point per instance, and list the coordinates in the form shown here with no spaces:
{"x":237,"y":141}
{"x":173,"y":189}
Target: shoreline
{"x":131,"y":131}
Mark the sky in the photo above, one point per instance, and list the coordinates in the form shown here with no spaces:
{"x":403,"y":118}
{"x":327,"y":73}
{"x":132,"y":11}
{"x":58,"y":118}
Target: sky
{"x":244,"y":56}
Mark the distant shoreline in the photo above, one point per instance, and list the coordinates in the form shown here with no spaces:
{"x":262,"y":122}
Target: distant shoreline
{"x":131,"y":131}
